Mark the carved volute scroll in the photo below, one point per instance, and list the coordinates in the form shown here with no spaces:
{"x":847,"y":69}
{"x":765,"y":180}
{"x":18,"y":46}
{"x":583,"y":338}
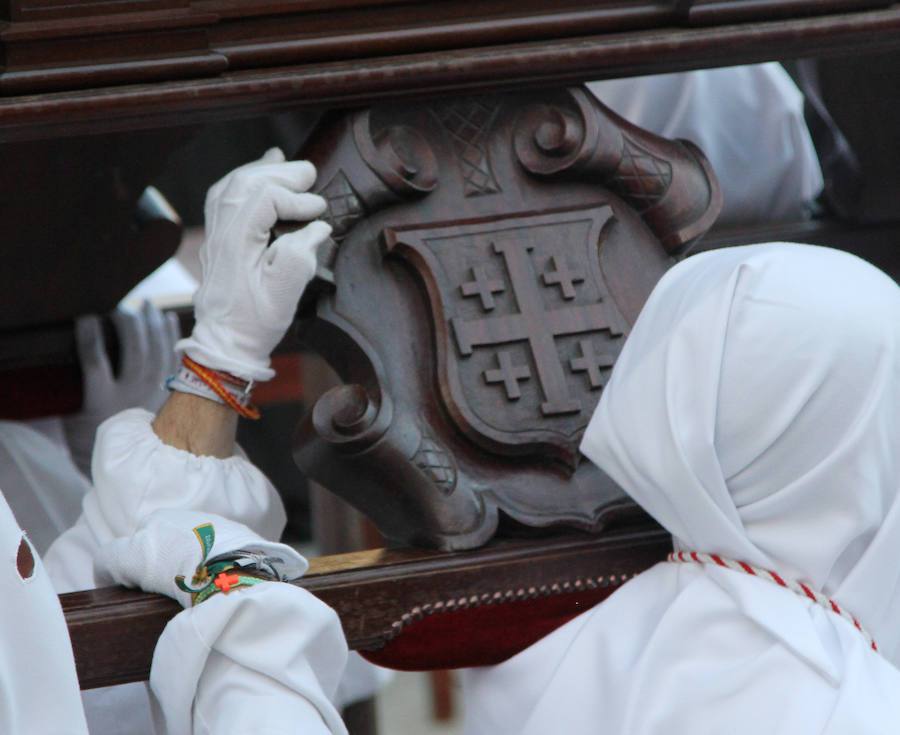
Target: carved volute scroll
{"x":579,"y":138}
{"x":490,"y":256}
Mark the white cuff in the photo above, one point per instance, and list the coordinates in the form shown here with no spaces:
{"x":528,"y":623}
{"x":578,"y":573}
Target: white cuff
{"x":136,"y":473}
{"x":272,"y":643}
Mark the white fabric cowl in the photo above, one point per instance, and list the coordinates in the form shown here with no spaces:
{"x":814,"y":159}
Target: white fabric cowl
{"x":753,"y":413}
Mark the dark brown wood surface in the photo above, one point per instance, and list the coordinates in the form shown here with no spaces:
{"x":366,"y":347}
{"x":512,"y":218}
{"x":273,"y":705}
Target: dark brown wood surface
{"x":491,"y":253}
{"x":378,"y":594}
{"x":54,"y":46}
{"x":80,"y":70}
{"x":874,"y":242}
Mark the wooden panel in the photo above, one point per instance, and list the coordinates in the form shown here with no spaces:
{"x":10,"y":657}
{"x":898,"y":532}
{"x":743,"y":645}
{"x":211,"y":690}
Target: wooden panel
{"x":731,"y":11}
{"x":509,"y":242}
{"x":379,"y":595}
{"x":452,"y":24}
{"x":73,"y":51}
{"x":862,"y":91}
{"x":67,"y":206}
{"x":33,"y":10}
{"x":547,"y":61}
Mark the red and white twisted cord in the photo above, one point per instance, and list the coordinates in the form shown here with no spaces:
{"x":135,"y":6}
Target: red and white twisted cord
{"x":795,"y":586}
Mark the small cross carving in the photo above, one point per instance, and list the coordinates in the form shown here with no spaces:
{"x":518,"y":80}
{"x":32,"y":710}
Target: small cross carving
{"x":591,"y":363}
{"x":534,"y":323}
{"x":562,"y":277}
{"x":225,"y":581}
{"x":508,"y":374}
{"x":483,"y":287}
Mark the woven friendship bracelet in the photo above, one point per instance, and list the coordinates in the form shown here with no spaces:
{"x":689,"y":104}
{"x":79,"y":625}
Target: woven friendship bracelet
{"x":186,"y":381}
{"x":215,"y":379}
{"x":795,"y":586}
{"x":225,"y":581}
{"x":225,"y":572}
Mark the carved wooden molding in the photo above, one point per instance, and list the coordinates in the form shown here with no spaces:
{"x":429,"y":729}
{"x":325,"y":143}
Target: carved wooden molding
{"x":380,"y":594}
{"x":491,"y":254}
{"x":563,"y":45}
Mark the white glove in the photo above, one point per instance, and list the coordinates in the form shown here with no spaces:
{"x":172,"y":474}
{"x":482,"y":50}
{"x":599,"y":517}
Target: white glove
{"x":166,"y":546}
{"x":250,"y":289}
{"x":146,"y":340}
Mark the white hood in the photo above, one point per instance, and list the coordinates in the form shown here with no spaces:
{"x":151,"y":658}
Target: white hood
{"x":754,"y":413}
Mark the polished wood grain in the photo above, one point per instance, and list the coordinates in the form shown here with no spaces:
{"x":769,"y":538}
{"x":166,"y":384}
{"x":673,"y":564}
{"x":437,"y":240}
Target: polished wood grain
{"x":378,"y":594}
{"x":368,"y":57}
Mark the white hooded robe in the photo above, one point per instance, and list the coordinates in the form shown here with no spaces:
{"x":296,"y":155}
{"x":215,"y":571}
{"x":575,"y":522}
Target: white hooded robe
{"x":754,"y":413}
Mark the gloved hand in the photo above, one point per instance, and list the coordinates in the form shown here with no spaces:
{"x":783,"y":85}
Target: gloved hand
{"x":250,"y":289}
{"x":166,"y":546}
{"x":146,"y":339}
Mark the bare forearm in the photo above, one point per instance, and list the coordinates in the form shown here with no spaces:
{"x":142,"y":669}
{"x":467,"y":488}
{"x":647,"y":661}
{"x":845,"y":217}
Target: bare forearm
{"x":197,"y":425}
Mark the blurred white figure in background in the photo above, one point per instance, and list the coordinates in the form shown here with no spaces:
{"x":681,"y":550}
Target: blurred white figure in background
{"x":45,"y":463}
{"x":45,"y":469}
{"x":216,"y":662}
{"x":748,"y":120}
{"x":146,"y":342}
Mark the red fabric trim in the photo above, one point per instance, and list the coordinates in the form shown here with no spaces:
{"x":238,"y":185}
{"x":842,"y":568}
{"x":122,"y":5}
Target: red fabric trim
{"x":482,"y":635}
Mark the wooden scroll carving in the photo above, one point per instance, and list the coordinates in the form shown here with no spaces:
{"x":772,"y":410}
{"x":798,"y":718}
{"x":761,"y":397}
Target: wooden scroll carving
{"x":490,"y":256}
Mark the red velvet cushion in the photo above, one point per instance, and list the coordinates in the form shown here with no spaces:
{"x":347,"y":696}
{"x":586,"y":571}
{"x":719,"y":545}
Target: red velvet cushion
{"x":481,"y":635}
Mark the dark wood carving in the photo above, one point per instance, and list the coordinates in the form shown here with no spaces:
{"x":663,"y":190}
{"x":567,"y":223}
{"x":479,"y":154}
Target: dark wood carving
{"x":401,"y":608}
{"x":490,"y":255}
{"x":574,"y":141}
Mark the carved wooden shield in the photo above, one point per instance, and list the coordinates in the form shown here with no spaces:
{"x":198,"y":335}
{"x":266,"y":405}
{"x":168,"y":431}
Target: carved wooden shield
{"x":525,"y":328}
{"x":490,"y":256}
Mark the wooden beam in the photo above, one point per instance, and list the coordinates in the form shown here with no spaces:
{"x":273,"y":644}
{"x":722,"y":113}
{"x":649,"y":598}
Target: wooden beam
{"x":544,"y":62}
{"x":380,"y":593}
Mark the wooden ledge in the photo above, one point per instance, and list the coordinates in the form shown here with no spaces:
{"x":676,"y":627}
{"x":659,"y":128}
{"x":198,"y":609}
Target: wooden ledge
{"x":379,"y":594}
{"x":546,"y":62}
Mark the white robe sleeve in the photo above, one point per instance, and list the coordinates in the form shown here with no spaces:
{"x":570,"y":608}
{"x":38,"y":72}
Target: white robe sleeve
{"x":134,"y":474}
{"x":265,"y":659}
{"x":42,"y":485}
{"x":37,"y":672}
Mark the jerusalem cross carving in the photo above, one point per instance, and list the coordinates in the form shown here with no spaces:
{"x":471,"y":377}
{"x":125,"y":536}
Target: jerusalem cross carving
{"x":521,"y":310}
{"x":489,"y":256}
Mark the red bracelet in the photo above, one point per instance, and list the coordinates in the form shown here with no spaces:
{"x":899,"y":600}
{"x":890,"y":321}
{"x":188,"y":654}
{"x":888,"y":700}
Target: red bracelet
{"x":215,"y":378}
